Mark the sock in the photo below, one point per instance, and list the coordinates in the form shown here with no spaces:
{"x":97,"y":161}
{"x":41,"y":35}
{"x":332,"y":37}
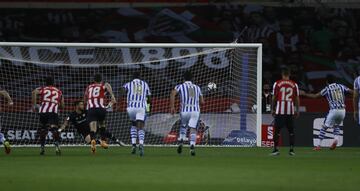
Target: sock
{"x":336,"y":133}
{"x":322,"y":134}
{"x":182,"y":135}
{"x":133,"y":134}
{"x":292,"y":140}
{"x":276,"y":138}
{"x":192,"y":138}
{"x":92,"y":135}
{"x":56,"y":136}
{"x":2,"y":138}
{"x":102,"y":132}
{"x":141,"y":133}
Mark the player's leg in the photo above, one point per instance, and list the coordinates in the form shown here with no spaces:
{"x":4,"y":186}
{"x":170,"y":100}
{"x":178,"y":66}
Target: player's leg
{"x":103,"y":135}
{"x":43,"y":131}
{"x":339,"y":118}
{"x":92,"y":118}
{"x":53,"y":122}
{"x":133,"y":136}
{"x":133,"y":129}
{"x":279,"y":123}
{"x":194,"y":119}
{"x":140,"y":123}
{"x":184,"y":118}
{"x":56,"y":136}
{"x":182,"y":137}
{"x":141,"y":136}
{"x":291,"y":130}
{"x":328,"y":123}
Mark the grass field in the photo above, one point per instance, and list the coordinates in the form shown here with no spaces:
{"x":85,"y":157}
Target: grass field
{"x":219,"y":169}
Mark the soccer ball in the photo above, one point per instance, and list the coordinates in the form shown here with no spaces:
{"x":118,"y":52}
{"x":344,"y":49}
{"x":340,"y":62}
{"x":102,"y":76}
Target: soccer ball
{"x":211,"y":86}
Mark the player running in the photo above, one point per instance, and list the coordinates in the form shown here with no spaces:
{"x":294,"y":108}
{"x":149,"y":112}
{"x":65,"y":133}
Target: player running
{"x":285,"y":96}
{"x":335,"y":95}
{"x":4,"y":141}
{"x":50,"y":100}
{"x":138,"y":99}
{"x":96,"y":111}
{"x":190,"y":98}
{"x":356,"y":101}
{"x":77,"y":119}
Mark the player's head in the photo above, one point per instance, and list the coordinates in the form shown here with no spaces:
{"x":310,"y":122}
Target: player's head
{"x":79,"y":104}
{"x":285,"y":73}
{"x":97,"y":78}
{"x":187,"y":76}
{"x":266,"y":88}
{"x":49,"y":81}
{"x":136,"y":75}
{"x":330,"y":79}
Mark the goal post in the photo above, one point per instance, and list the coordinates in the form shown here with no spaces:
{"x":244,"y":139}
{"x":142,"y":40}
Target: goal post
{"x":229,"y":75}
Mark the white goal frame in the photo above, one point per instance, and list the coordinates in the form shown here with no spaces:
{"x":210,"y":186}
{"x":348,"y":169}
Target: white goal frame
{"x":170,"y":45}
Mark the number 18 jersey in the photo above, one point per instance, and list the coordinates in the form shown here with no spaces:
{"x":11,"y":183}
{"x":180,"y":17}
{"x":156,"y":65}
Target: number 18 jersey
{"x":285,"y":92}
{"x":95,"y":95}
{"x":50,"y":97}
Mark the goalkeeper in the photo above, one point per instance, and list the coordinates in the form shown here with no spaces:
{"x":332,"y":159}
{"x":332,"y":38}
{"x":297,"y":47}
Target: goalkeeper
{"x":77,"y":119}
{"x":2,"y":137}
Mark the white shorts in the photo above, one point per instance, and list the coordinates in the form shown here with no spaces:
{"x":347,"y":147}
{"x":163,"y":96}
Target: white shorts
{"x":335,"y":117}
{"x":136,"y":113}
{"x":189,"y":119}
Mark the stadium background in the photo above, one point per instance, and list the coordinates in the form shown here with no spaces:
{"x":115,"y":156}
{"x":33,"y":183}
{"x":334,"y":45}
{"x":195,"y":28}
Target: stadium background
{"x":312,"y":39}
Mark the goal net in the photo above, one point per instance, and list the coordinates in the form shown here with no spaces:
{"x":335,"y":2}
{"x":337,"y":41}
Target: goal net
{"x":228,"y":118}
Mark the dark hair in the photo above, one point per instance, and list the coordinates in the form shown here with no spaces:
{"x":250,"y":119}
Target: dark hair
{"x":49,"y":81}
{"x":77,"y":102}
{"x":187,"y":76}
{"x":285,"y":71}
{"x":136,"y":75}
{"x":97,"y":78}
{"x":330,"y":79}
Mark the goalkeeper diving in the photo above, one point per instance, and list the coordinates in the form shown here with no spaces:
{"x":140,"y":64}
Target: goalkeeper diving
{"x":77,"y":119}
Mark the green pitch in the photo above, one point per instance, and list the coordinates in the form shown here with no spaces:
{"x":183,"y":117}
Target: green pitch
{"x":219,"y":169}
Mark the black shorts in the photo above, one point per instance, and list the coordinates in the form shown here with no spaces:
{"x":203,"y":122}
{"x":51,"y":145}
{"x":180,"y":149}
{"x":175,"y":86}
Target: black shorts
{"x":83,"y":130}
{"x":47,"y":119}
{"x":282,"y":121}
{"x":96,"y":114}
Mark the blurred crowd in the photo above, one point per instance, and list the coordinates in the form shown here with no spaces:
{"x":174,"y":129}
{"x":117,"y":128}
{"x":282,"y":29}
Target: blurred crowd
{"x":313,"y":42}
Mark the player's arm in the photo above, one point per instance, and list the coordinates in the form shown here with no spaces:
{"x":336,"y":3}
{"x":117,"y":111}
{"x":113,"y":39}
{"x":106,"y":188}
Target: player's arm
{"x":172,"y":101}
{"x":34,"y":95}
{"x":65,"y":124}
{"x":6,"y":95}
{"x":310,"y":95}
{"x":273,"y":99}
{"x":148,"y":103}
{"x":109,"y":89}
{"x":202,"y":100}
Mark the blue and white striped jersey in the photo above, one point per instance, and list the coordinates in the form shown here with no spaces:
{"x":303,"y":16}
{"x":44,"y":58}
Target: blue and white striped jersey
{"x":137,"y":91}
{"x":335,"y":94}
{"x":357,"y":86}
{"x":189,"y":96}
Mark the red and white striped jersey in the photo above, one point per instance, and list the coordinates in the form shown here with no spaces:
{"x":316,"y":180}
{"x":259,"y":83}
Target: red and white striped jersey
{"x":95,"y":95}
{"x":285,"y":92}
{"x":50,"y":97}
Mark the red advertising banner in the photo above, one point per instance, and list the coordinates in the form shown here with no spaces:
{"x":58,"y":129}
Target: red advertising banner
{"x":267,"y":136}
